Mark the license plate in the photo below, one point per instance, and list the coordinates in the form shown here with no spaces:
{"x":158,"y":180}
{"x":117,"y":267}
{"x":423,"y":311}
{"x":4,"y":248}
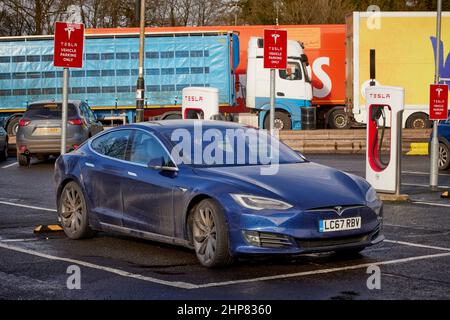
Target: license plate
{"x":340,"y":224}
{"x":47,"y":131}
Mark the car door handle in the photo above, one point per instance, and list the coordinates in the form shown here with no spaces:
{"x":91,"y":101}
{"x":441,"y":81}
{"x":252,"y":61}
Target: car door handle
{"x":88,"y":164}
{"x":280,"y":94}
{"x":132,"y":174}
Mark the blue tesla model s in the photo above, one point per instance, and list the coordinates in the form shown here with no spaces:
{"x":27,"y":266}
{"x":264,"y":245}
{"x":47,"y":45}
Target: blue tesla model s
{"x":224,"y":189}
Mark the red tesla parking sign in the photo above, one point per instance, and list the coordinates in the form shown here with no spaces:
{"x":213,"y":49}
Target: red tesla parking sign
{"x":438,"y":102}
{"x":275,"y":49}
{"x":68,"y":46}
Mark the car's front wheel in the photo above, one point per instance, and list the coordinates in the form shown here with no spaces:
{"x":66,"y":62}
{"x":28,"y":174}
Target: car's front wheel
{"x":73,"y":213}
{"x":444,"y":156}
{"x":210,"y":235}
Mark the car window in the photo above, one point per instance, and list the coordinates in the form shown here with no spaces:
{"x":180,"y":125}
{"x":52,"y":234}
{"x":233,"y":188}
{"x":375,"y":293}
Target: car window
{"x":146,"y":148}
{"x":292,"y":72}
{"x":49,"y":111}
{"x":112,"y":144}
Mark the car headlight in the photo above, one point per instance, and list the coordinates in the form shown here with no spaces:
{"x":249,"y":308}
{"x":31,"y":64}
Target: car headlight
{"x":373,"y":201}
{"x":260,"y":203}
{"x":371,"y":195}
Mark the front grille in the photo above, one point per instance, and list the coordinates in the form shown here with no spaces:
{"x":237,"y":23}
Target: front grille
{"x":273,"y":240}
{"x":338,"y":209}
{"x":321,"y":243}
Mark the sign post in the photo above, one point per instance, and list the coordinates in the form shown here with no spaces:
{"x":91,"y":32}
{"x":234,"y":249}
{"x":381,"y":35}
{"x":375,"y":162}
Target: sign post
{"x":434,"y":149}
{"x":68,"y":53}
{"x":275,"y":57}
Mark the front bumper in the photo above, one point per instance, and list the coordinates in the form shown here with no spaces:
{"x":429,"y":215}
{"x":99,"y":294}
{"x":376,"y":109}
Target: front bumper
{"x":297,"y":233}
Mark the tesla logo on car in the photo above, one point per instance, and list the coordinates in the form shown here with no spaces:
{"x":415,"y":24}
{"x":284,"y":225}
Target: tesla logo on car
{"x":338,"y":210}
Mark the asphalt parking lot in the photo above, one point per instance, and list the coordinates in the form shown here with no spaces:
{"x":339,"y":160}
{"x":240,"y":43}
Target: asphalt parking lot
{"x":414,"y":260}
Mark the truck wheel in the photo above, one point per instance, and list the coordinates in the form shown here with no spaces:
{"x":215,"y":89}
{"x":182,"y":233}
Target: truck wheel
{"x":23,"y":159}
{"x":13,"y":126}
{"x":444,"y":156}
{"x":282,"y":121}
{"x":338,"y":119}
{"x":418,"y":121}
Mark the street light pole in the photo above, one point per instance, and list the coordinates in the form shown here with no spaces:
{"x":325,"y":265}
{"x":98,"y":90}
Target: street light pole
{"x":140,"y":85}
{"x":434,"y":167}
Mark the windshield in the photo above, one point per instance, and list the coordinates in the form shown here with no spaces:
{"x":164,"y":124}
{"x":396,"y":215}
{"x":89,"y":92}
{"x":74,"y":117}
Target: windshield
{"x":219,"y":147}
{"x":49,"y":111}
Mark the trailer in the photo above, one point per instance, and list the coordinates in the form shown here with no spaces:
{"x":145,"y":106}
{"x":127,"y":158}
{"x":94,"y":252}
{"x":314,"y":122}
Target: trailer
{"x":174,"y":60}
{"x":107,"y":81}
{"x":404,"y":44}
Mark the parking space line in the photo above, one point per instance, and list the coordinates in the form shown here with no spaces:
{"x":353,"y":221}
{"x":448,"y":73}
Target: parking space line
{"x":26,"y":206}
{"x":424,"y":173}
{"x":417,"y":245}
{"x":323,"y":271}
{"x":18,"y":240}
{"x":187,"y":285}
{"x":9,"y":165}
{"x":182,"y":285}
{"x":432,"y":204}
{"x":422,"y":185}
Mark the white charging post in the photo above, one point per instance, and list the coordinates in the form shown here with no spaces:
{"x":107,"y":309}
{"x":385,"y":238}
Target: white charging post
{"x":384,"y":107}
{"x":200,"y":103}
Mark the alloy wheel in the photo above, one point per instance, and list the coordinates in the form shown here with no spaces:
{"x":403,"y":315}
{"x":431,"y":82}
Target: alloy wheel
{"x":72,"y":209}
{"x":443,"y":156}
{"x":205,"y":235}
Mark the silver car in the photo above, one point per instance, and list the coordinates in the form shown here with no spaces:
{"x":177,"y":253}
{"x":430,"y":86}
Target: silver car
{"x":3,"y":144}
{"x":39,"y":132}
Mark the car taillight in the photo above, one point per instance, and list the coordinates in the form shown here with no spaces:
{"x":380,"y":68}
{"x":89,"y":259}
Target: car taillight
{"x":75,"y":122}
{"x":75,"y":147}
{"x":24,"y":122}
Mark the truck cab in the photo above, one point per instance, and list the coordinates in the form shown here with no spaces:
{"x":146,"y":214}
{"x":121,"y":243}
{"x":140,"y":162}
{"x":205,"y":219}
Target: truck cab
{"x":292,"y":86}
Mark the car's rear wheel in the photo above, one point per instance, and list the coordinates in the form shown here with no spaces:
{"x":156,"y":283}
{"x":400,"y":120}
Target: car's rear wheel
{"x":444,"y":156}
{"x":73,"y":213}
{"x":4,"y":152}
{"x":210,"y":235}
{"x":23,"y":159}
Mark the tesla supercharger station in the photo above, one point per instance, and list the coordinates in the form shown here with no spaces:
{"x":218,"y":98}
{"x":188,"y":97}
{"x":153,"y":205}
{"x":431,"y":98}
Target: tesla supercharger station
{"x":384,"y":107}
{"x":200,"y":103}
